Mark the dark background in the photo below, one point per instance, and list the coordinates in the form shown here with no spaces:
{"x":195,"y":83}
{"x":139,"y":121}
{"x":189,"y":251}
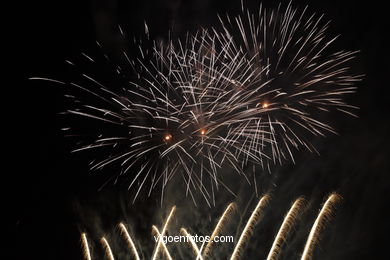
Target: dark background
{"x":50,"y":190}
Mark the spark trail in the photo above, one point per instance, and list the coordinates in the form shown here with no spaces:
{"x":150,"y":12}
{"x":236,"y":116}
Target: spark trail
{"x":248,"y":229}
{"x":319,"y":225}
{"x":288,"y":223}
{"x":85,"y":245}
{"x":162,"y":245}
{"x":195,"y":248}
{"x":160,"y":242}
{"x":107,"y":249}
{"x":129,"y":241}
{"x":229,"y":209}
{"x":284,"y":231}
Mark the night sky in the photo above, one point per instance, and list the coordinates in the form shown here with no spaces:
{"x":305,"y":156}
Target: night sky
{"x":53,"y":196}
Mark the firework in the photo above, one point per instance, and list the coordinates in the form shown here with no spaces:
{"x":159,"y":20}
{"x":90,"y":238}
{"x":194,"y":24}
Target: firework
{"x":219,"y":226}
{"x":107,"y":248}
{"x":197,"y":251}
{"x":288,"y":223}
{"x":84,"y":243}
{"x":162,"y":245}
{"x":302,"y":82}
{"x":160,"y":242}
{"x":250,"y":92}
{"x":248,"y":229}
{"x":285,"y":230}
{"x":129,"y":241}
{"x":319,"y":225}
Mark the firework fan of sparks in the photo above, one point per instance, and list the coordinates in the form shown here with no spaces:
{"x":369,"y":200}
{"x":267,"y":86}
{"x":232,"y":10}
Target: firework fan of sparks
{"x":250,"y":92}
{"x":203,"y":249}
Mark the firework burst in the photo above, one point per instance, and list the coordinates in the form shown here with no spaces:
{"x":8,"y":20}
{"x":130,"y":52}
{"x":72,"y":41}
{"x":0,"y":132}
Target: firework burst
{"x":250,"y":92}
{"x":295,"y":80}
